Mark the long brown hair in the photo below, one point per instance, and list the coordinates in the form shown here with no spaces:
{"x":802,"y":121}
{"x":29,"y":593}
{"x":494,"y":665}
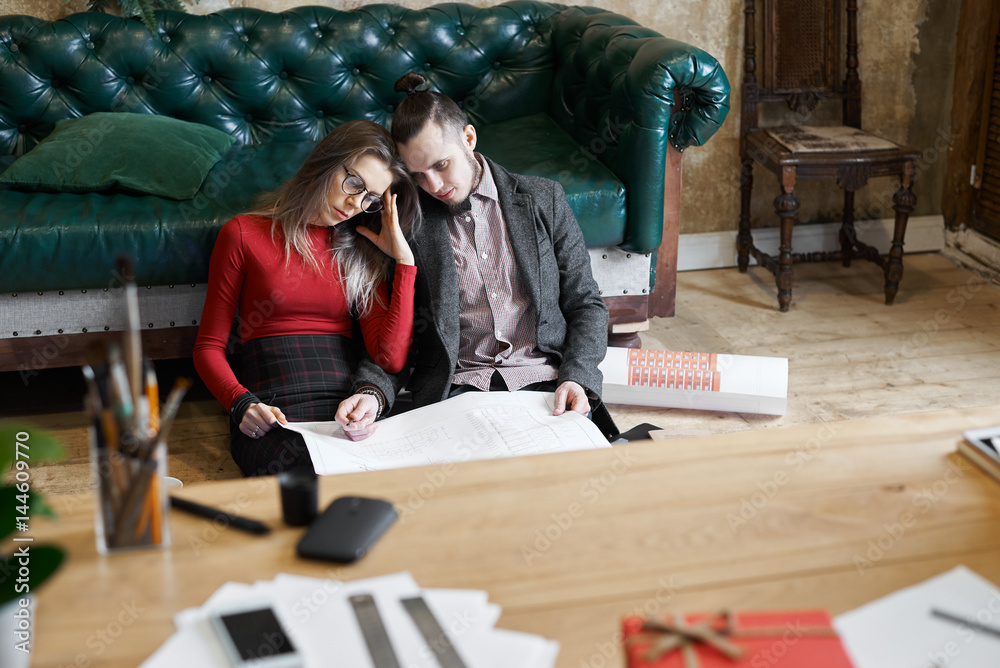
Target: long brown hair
{"x":304,"y":198}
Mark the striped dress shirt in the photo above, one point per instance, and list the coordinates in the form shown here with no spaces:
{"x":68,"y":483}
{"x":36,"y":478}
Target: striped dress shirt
{"x":498,"y":330}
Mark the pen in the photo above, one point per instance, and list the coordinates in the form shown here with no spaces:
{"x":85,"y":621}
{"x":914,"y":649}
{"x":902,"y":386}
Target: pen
{"x":971,"y":623}
{"x":235,"y":521}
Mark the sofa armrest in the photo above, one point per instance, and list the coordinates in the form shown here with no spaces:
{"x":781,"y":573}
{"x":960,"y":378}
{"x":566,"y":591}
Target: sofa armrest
{"x":623,"y":92}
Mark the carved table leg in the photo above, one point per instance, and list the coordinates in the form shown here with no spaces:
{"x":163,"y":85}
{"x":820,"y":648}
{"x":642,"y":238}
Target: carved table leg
{"x":847,"y":232}
{"x":743,"y":239}
{"x":903,"y":202}
{"x":786,"y":205}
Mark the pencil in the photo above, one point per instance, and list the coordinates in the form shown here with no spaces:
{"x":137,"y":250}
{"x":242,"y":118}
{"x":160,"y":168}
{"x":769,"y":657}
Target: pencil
{"x":971,"y":623}
{"x":153,"y":396}
{"x":132,"y":339}
{"x":170,"y":409}
{"x":128,"y":517}
{"x":120,"y":394}
{"x":157,"y":510}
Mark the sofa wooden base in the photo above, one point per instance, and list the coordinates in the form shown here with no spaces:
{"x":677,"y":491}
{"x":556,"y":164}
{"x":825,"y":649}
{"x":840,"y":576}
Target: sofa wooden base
{"x":30,"y":355}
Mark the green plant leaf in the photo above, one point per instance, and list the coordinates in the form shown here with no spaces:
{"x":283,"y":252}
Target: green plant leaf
{"x":147,"y":16}
{"x":41,"y":507}
{"x":42,"y":562}
{"x":97,"y":5}
{"x":141,"y":8}
{"x":40,"y":446}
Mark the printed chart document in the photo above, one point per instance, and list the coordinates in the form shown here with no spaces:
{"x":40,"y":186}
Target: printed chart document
{"x":702,"y":381}
{"x":474,"y":425}
{"x":900,"y":631}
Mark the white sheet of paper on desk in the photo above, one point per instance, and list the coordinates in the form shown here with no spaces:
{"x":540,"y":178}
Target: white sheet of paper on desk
{"x":474,"y":425}
{"x":700,"y":381}
{"x":898,"y":630}
{"x":321,"y":624}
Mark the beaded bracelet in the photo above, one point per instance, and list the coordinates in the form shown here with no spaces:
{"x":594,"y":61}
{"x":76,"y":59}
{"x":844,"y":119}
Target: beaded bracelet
{"x":375,"y":392}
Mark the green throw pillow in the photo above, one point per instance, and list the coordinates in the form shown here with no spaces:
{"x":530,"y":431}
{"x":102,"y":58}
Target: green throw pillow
{"x":152,"y":154}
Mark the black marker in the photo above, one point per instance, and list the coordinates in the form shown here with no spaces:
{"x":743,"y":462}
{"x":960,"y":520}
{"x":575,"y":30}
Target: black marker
{"x":235,"y":521}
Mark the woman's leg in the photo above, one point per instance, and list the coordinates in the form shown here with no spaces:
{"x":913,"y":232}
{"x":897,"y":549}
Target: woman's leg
{"x":306,"y":376}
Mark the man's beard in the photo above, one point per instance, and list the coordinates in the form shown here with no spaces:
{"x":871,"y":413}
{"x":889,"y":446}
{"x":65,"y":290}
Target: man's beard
{"x":455,"y":208}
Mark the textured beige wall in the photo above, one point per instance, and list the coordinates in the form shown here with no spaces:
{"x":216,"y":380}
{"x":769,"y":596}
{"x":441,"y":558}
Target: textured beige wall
{"x":905,"y":50}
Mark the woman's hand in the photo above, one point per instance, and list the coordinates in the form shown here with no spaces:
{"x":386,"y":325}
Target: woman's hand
{"x":390,"y":240}
{"x":357,"y":414}
{"x":260,"y":419}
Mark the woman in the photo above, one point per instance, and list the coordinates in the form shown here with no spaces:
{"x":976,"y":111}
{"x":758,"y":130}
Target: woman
{"x":304,"y":282}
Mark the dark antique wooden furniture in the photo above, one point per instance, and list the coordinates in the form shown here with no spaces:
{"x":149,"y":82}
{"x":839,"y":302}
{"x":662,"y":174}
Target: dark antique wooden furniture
{"x":801,"y":53}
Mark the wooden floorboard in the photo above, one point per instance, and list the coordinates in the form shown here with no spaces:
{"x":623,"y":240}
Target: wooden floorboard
{"x":849,"y":356}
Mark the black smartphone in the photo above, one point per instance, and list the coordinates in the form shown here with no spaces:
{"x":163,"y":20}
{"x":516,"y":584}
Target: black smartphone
{"x":253,"y":636}
{"x":347,"y":529}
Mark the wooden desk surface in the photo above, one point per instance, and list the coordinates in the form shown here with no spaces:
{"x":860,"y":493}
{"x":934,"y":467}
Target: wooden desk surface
{"x":831,"y":516}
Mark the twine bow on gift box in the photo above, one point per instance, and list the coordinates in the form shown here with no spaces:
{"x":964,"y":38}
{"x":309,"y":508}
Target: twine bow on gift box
{"x":672,"y":635}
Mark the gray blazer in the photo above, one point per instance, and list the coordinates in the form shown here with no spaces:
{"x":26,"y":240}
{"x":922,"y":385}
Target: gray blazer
{"x":549,"y":249}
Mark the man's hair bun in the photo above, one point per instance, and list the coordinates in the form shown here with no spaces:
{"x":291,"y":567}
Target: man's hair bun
{"x":410,"y":83}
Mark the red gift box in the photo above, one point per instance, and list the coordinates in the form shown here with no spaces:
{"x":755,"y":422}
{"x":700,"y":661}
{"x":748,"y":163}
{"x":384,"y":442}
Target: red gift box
{"x":795,"y":639}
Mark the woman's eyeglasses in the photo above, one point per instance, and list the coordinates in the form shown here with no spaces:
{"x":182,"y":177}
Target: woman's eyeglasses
{"x":355,"y":185}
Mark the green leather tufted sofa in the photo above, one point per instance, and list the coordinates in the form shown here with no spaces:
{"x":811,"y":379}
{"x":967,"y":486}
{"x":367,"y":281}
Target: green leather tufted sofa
{"x":577,"y":94}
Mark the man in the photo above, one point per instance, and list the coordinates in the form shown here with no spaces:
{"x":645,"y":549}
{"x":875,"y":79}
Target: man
{"x":505,"y":298}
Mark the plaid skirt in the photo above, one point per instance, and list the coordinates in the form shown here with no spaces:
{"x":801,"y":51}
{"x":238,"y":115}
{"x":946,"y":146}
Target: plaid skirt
{"x":306,"y":376}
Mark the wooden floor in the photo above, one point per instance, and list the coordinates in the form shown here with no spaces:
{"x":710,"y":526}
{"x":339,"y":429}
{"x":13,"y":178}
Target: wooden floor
{"x":849,"y":356}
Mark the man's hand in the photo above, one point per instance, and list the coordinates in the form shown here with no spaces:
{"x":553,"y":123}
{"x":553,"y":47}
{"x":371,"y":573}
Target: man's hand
{"x":571,"y":395}
{"x":260,"y":419}
{"x":357,"y":415}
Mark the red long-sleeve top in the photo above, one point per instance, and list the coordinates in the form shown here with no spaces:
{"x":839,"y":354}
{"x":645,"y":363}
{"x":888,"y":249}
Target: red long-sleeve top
{"x":248,"y":270}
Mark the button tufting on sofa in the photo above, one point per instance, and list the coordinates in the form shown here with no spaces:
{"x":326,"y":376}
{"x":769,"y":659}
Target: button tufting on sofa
{"x":579,"y":81}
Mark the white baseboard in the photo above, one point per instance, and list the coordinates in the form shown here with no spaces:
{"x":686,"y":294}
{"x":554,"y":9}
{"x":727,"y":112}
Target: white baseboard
{"x":714,"y":250}
{"x":974,"y":250}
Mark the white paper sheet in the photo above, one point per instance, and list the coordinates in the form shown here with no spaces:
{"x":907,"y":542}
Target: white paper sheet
{"x":321,"y":624}
{"x":898,"y":630}
{"x":474,"y":425}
